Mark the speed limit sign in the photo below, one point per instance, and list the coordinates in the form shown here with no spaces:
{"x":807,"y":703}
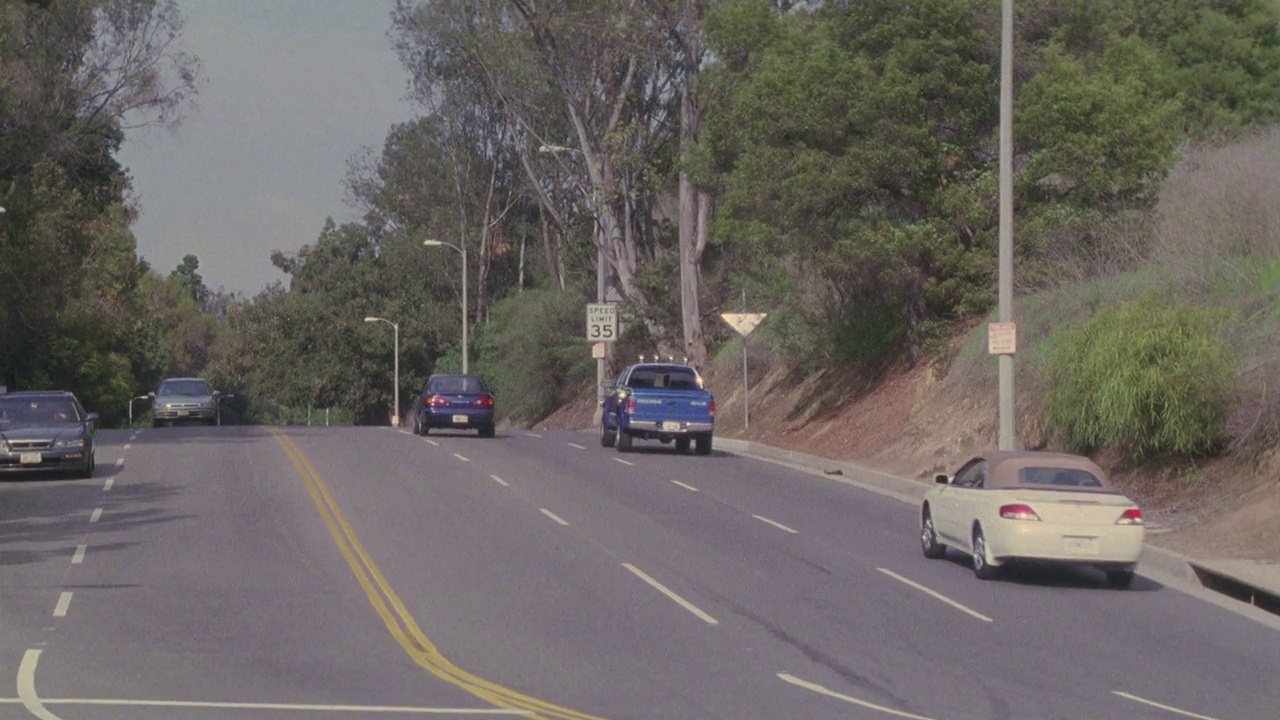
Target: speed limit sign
{"x":602,"y":322}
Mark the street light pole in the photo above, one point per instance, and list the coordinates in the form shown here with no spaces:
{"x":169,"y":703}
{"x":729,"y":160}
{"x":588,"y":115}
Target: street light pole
{"x":463,"y":251}
{"x":1008,"y":439}
{"x":395,"y":330}
{"x":131,"y":400}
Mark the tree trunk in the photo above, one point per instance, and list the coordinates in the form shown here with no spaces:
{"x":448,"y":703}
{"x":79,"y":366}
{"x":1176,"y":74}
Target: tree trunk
{"x":693,"y":203}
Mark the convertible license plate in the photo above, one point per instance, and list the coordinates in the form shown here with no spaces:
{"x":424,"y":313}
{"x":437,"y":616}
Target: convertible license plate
{"x":1080,"y":545}
{"x":460,"y":418}
{"x":30,"y":458}
{"x":668,"y":425}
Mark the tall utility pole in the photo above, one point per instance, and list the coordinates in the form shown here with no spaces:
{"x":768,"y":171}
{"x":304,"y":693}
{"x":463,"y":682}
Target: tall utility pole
{"x":1008,"y":434}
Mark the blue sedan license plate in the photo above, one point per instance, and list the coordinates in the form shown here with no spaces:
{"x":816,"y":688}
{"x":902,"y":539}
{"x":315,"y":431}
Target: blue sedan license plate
{"x":460,"y":419}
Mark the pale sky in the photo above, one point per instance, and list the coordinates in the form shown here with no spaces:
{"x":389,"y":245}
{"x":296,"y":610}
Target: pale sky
{"x":292,"y":90}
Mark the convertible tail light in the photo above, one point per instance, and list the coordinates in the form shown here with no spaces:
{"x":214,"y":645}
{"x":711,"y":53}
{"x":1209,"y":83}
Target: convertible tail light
{"x":1018,"y":512}
{"x":486,"y":401}
{"x":1132,"y":516}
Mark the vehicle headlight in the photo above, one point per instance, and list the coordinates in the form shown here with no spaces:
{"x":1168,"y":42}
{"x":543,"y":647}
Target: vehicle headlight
{"x":76,"y":442}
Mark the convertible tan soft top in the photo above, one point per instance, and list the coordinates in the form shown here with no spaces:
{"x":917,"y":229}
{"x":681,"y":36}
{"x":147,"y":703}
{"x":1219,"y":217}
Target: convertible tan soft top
{"x":1044,"y":470}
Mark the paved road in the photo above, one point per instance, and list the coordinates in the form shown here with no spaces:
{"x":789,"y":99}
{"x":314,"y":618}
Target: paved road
{"x":240,"y":572}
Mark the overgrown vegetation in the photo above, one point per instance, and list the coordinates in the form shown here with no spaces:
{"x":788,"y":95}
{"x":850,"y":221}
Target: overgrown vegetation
{"x":1147,"y":377}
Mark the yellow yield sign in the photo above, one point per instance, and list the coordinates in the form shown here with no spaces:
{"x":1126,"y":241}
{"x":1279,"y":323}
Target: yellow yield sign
{"x":744,"y":323}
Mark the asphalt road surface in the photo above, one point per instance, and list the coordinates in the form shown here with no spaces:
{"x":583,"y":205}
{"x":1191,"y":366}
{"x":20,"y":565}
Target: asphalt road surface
{"x":264,"y":573}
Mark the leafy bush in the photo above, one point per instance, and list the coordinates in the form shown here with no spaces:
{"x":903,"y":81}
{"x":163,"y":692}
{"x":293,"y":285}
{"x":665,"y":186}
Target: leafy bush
{"x":1147,"y":378}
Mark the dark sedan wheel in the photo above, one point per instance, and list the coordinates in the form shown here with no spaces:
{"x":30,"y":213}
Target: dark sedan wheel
{"x":929,"y":538}
{"x":488,"y":431}
{"x":89,"y":465}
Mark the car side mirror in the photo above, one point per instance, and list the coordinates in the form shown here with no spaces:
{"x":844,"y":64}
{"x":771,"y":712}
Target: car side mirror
{"x":151,"y":395}
{"x":942,"y":479}
{"x":216,"y":393}
{"x":91,"y":418}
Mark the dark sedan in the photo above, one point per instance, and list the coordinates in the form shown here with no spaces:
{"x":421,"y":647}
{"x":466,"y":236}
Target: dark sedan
{"x":461,"y":402}
{"x":42,"y":432}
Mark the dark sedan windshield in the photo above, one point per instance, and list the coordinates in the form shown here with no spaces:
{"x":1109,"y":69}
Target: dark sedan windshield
{"x":27,"y":413}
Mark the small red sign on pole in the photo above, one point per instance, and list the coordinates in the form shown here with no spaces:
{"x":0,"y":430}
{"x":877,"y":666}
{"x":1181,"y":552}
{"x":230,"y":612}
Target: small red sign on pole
{"x":1002,"y":338}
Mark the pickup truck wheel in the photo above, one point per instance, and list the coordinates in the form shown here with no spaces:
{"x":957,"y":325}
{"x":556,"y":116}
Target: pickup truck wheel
{"x":608,"y":436}
{"x":624,"y":442}
{"x":704,"y":444}
{"x":682,"y":445}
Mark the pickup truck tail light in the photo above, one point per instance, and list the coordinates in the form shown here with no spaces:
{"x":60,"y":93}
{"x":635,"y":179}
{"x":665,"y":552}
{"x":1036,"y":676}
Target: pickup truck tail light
{"x":711,"y":407}
{"x":1132,"y":516}
{"x":631,"y":406}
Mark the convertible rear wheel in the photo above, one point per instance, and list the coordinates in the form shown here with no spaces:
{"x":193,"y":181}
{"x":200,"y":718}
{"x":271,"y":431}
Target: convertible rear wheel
{"x":1120,"y":577}
{"x":983,"y":569}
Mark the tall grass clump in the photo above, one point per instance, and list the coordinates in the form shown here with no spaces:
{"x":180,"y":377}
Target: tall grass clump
{"x":1147,"y":378}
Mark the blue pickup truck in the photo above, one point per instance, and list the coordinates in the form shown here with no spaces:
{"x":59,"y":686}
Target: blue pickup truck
{"x":659,"y":401}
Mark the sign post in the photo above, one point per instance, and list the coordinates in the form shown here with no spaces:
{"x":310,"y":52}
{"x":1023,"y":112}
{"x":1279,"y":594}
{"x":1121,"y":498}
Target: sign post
{"x":744,"y":323}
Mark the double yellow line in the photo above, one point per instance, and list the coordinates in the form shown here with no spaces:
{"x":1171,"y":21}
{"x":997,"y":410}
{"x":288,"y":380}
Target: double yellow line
{"x":396,"y":616}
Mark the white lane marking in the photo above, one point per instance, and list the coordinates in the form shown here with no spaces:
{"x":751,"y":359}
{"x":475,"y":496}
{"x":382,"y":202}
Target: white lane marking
{"x":787,"y":677}
{"x":107,"y":485}
{"x":553,"y":516}
{"x":64,"y":604}
{"x":671,"y":594}
{"x":119,"y":463}
{"x":27,"y":686}
{"x":690,"y":488}
{"x":576,"y":445}
{"x":78,"y":557}
{"x":533,"y":434}
{"x":775,"y":523}
{"x":127,"y":446}
{"x":97,"y":514}
{"x":405,"y":432}
{"x":624,"y":462}
{"x":463,"y":459}
{"x":500,"y":481}
{"x":433,"y":442}
{"x":935,"y":594}
{"x":1154,"y":704}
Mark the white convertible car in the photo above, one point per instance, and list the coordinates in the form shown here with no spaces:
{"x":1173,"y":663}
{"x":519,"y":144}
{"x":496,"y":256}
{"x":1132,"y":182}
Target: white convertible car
{"x":1007,"y":506}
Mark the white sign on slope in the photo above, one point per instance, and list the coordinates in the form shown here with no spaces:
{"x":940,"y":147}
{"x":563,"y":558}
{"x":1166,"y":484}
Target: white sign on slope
{"x":744,"y":323}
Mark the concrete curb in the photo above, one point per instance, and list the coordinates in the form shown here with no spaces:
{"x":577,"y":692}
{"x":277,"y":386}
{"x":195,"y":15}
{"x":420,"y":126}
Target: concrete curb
{"x":1164,"y":566}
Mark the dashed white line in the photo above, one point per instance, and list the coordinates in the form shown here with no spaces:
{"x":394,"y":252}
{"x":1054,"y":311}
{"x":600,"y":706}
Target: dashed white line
{"x":64,"y":604}
{"x":624,"y":462}
{"x":429,"y":440}
{"x":78,"y":557}
{"x":127,"y":446}
{"x":1154,"y":704}
{"x":787,"y":677}
{"x":671,"y":594}
{"x":533,"y":435}
{"x":107,"y":485}
{"x":500,"y":481}
{"x":119,"y":463}
{"x":936,"y":594}
{"x":97,"y":515}
{"x":462,"y":458}
{"x":776,"y":524}
{"x":576,"y":445}
{"x":690,"y":488}
{"x":553,"y":516}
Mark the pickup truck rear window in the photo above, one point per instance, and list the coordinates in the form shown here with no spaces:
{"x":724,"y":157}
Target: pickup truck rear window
{"x":669,"y":378}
